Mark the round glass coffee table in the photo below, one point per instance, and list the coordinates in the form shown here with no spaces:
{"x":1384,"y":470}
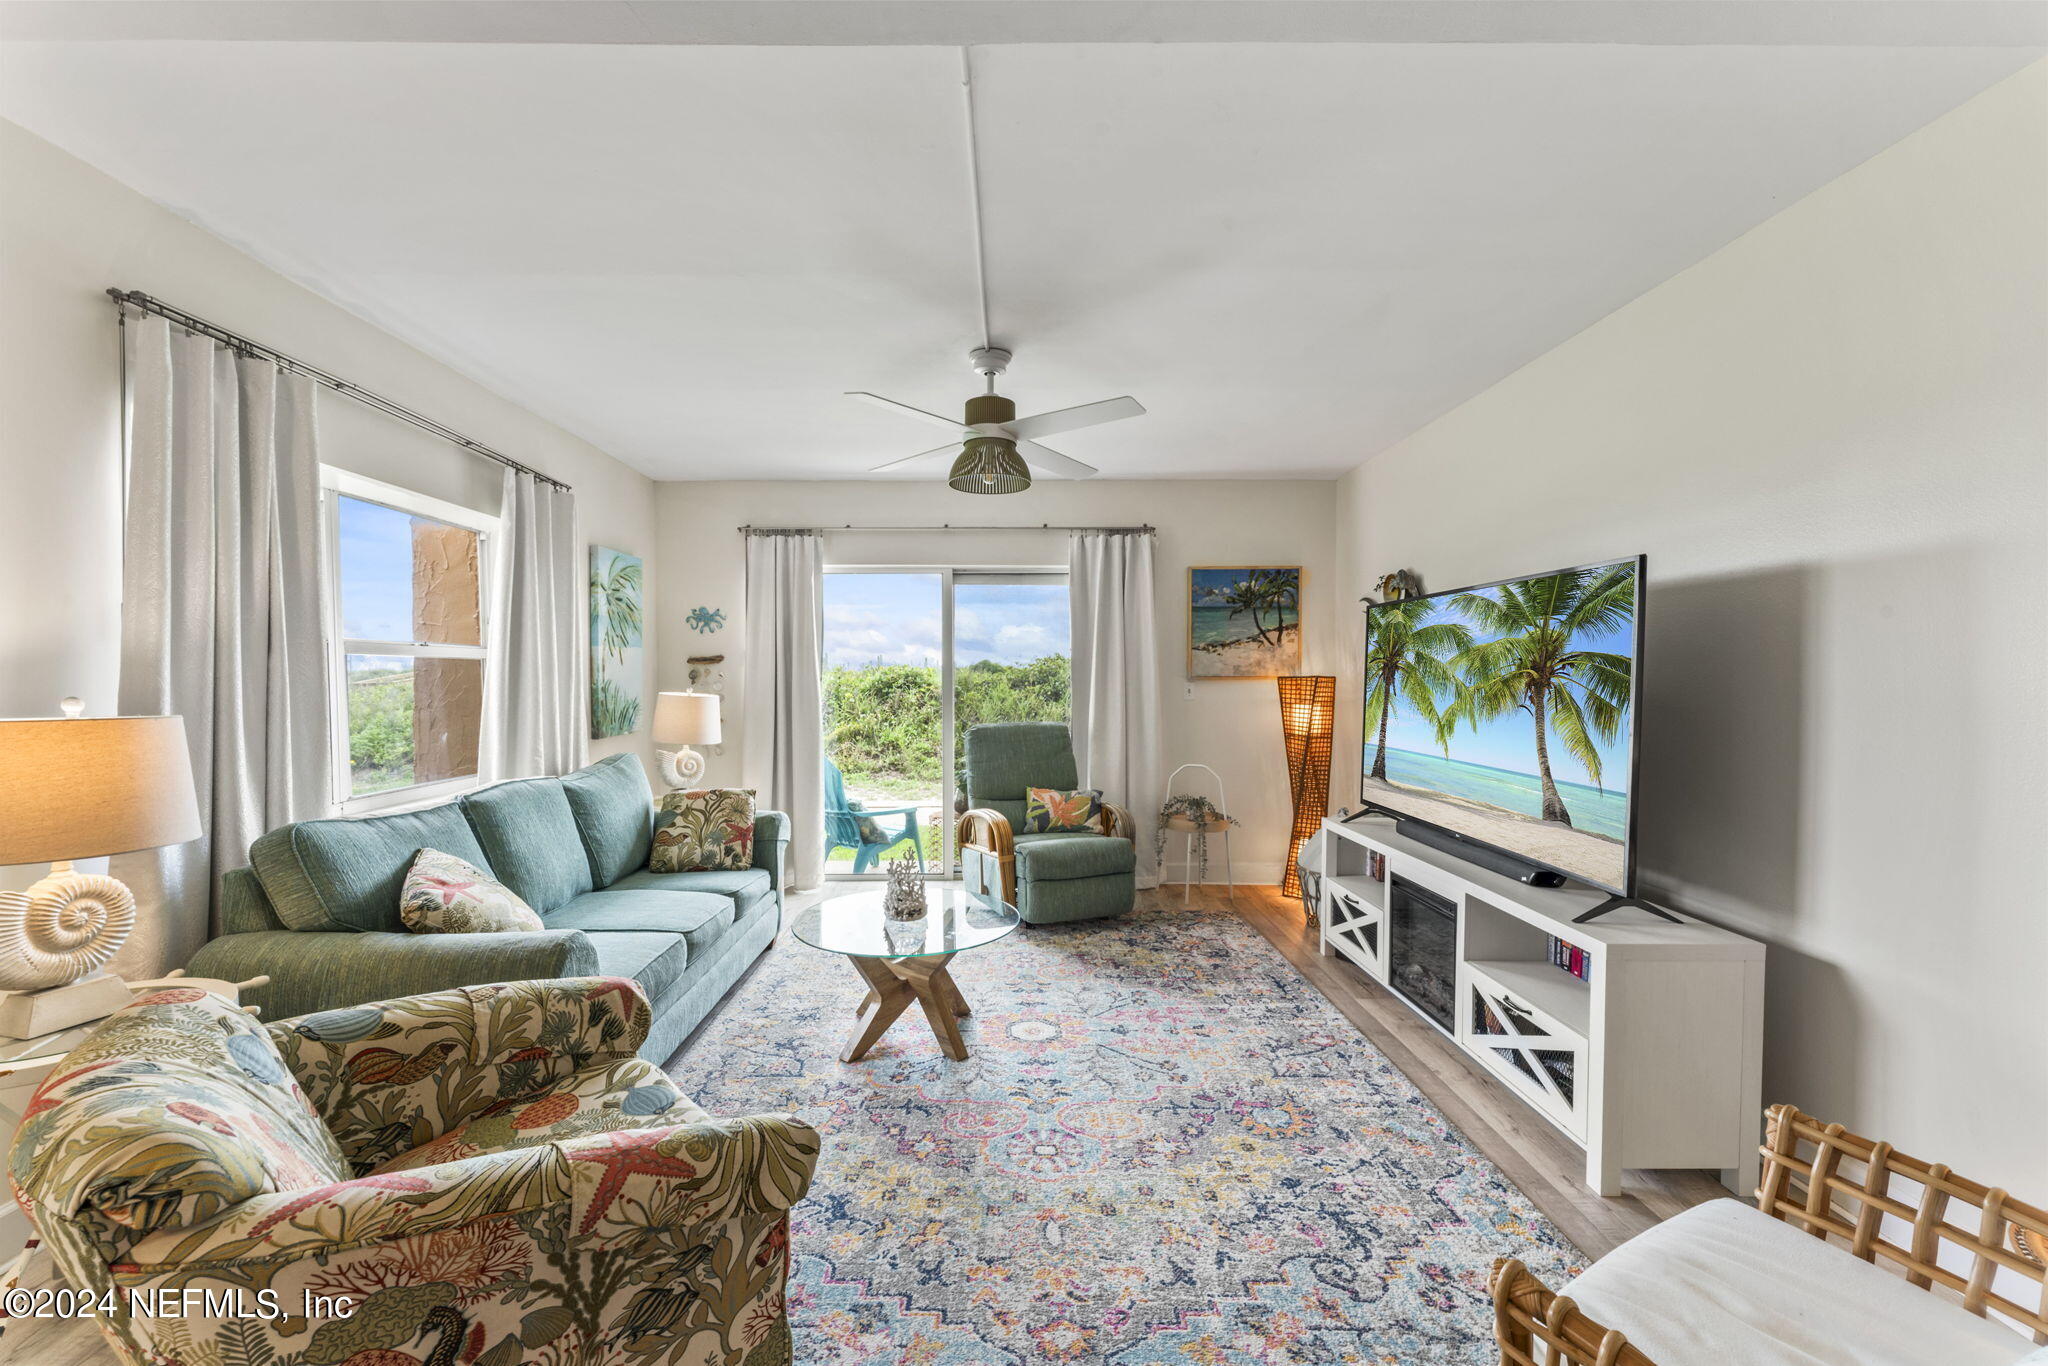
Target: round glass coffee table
{"x":904,"y":960}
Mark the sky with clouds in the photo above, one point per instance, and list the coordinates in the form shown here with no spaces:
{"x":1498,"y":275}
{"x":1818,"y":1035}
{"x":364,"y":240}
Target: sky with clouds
{"x":895,"y":618}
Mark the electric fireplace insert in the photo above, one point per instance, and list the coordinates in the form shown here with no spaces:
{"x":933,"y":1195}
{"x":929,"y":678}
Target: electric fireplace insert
{"x":1422,"y":951}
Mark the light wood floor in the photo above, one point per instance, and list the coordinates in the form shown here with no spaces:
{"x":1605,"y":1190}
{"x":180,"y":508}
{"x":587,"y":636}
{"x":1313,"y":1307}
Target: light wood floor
{"x":1535,"y":1157}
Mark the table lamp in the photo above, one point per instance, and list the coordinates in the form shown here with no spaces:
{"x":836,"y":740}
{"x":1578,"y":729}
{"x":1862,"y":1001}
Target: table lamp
{"x":684,"y":719}
{"x":75,"y":788}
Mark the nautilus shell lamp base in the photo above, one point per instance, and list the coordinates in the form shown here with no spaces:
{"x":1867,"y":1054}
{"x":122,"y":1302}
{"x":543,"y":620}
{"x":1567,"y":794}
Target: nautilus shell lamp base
{"x":681,"y":767}
{"x":54,"y":939}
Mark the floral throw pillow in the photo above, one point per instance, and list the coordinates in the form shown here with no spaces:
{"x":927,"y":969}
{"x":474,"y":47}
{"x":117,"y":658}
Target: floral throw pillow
{"x":447,"y":895}
{"x":870,"y":829}
{"x":703,"y":830}
{"x":1048,"y":809}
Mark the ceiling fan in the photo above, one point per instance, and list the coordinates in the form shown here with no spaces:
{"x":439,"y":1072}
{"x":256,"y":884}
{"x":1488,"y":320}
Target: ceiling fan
{"x":994,"y":450}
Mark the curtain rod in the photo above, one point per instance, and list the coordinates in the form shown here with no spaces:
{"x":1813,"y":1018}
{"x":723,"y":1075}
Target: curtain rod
{"x":125,"y":299}
{"x":943,"y":526}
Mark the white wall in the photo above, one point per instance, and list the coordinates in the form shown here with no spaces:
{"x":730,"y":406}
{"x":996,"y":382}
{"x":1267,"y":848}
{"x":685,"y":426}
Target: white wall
{"x":69,"y":233}
{"x":1831,"y":439}
{"x":1233,"y":725}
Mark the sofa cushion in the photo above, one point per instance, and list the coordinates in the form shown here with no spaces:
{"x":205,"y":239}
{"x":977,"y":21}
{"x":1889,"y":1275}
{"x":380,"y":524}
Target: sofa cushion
{"x":614,"y":810}
{"x":175,"y":1109}
{"x":1724,"y":1283}
{"x":345,"y":874}
{"x":529,"y":833}
{"x":654,"y":959}
{"x":699,"y":917}
{"x":444,"y":895}
{"x":1005,"y":758}
{"x":1060,"y":857}
{"x":741,"y":884}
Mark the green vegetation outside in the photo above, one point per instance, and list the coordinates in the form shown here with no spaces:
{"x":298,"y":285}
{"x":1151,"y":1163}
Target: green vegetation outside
{"x":882,"y":720}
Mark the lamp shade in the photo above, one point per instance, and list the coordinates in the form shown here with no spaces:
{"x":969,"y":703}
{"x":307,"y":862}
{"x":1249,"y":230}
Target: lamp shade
{"x":77,"y":788}
{"x":686,"y":718}
{"x":989,"y":464}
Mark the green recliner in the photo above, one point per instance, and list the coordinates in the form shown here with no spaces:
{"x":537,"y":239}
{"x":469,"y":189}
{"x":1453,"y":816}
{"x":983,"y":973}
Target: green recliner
{"x":1049,"y":878}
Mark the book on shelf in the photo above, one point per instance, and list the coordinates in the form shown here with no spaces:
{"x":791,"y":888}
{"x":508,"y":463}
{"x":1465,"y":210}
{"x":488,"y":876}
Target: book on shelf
{"x":1571,"y":958}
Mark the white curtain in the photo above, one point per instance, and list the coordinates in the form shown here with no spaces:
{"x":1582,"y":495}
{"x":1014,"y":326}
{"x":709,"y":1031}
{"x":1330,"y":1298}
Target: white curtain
{"x":534,"y":698}
{"x":784,"y":748}
{"x":221,"y":611}
{"x":1116,"y":678}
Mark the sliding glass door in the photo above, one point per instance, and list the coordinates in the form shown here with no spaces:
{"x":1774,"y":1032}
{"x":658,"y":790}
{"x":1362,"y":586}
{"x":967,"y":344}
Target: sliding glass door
{"x":913,"y":658}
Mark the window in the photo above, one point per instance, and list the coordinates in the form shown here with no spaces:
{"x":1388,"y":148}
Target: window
{"x":406,"y":639}
{"x":913,"y":658}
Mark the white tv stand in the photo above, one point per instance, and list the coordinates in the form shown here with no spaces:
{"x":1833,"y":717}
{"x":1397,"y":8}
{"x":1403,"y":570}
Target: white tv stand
{"x":1655,"y":1061}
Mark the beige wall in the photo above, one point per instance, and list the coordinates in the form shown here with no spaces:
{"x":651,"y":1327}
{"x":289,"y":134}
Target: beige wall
{"x":68,"y":233}
{"x":1831,"y":439}
{"x":1233,"y":725}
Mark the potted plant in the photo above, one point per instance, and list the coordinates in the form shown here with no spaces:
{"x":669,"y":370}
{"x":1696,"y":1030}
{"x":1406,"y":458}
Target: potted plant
{"x":1196,"y":815}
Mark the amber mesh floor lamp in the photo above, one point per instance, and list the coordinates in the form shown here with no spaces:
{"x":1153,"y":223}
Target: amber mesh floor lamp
{"x":1308,"y":713}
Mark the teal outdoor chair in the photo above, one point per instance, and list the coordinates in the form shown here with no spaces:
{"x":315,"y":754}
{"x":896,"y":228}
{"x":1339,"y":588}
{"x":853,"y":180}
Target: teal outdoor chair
{"x":843,"y":824}
{"x":1052,"y":877}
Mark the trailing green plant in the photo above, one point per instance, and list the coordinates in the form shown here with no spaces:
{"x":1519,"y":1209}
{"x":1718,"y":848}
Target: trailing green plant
{"x":1204,"y":813}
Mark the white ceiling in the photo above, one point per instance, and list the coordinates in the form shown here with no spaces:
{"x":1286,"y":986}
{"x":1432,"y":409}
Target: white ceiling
{"x":1294,"y":254}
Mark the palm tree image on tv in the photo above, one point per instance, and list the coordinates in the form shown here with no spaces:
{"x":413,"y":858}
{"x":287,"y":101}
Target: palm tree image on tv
{"x":1502,"y":713}
{"x":1409,"y":658}
{"x":1534,"y":665}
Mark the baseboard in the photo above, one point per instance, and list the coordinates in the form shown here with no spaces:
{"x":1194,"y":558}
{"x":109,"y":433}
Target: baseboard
{"x":1245,"y":874}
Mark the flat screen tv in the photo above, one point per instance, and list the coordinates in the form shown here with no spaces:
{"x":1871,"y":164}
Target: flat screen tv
{"x":1505,"y":714}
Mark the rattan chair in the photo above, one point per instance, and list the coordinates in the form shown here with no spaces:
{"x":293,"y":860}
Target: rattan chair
{"x":1835,"y":1186}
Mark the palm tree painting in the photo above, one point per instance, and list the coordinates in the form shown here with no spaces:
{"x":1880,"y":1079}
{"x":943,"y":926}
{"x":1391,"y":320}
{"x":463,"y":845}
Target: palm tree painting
{"x":615,"y":642}
{"x":1408,"y":659}
{"x":1536,"y":662}
{"x":1244,"y":621}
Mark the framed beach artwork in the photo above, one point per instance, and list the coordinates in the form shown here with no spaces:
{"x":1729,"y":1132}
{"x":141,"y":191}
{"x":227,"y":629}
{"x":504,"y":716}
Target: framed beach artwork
{"x":615,"y":642}
{"x":1244,"y":621}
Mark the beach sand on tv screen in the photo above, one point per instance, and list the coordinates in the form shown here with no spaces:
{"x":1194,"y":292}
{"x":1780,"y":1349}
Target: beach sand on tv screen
{"x":1589,"y":857}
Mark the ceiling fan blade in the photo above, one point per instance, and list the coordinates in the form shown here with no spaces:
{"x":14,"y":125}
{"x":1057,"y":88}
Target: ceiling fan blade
{"x":904,"y":408}
{"x":1052,"y":462}
{"x":951,"y":448}
{"x":1073,"y":419}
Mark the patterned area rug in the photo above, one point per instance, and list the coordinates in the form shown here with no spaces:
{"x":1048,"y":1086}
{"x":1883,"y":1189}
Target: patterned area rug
{"x":1166,"y":1147}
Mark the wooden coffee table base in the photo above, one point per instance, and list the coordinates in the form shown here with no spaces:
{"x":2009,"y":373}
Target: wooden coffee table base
{"x":893,"y":983}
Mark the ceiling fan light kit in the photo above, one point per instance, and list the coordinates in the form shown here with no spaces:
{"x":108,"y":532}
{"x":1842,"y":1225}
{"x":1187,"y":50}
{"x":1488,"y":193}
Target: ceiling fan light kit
{"x":989,"y":464}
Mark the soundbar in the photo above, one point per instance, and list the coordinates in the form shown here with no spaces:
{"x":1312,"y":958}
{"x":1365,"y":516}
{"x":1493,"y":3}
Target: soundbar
{"x":1494,"y":861}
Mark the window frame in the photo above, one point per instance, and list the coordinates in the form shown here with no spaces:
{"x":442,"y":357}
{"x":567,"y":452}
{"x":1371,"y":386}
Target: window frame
{"x":336,"y":484}
{"x":949,"y":577}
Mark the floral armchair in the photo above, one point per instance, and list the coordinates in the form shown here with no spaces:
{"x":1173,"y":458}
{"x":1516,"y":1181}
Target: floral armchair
{"x":486,"y":1175}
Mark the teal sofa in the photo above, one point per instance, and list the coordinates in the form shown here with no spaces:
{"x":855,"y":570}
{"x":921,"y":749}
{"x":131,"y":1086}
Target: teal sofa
{"x":317,"y":909}
{"x":1052,"y":877}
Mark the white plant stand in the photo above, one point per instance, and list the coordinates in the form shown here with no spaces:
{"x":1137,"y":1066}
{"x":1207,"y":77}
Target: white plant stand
{"x":1195,"y":830}
{"x":1654,"y":1061}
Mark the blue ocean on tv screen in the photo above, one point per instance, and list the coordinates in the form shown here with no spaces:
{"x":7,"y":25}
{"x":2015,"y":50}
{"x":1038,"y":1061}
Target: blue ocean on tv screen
{"x":1595,"y":811}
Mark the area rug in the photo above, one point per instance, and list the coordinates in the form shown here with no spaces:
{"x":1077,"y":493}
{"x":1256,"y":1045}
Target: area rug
{"x":1166,"y":1147}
